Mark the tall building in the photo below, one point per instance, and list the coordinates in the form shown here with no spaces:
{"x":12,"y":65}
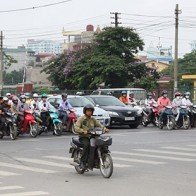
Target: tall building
{"x":193,"y":45}
{"x":44,"y":46}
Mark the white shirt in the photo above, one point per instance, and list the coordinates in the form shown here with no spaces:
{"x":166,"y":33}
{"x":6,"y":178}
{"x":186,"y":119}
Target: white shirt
{"x":186,"y":102}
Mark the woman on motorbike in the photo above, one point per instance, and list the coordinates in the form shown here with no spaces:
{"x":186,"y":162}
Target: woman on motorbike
{"x":82,"y":126}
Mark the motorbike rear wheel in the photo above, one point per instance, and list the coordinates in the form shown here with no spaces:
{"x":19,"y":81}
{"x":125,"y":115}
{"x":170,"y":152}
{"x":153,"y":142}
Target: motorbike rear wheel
{"x":33,"y":130}
{"x":144,"y":121}
{"x":13,"y":132}
{"x":77,"y":157}
{"x":107,"y":168}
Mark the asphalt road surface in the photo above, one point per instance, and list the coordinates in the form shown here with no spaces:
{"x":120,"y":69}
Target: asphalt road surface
{"x":147,"y":162}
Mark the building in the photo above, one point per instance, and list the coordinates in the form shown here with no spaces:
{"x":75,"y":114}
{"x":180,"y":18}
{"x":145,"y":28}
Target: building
{"x":75,"y":40}
{"x":193,"y":45}
{"x":44,"y":46}
{"x":20,"y":55}
{"x":158,"y":66}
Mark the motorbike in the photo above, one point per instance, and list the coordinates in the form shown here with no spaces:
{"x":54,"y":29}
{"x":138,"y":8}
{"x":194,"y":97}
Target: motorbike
{"x":10,"y":126}
{"x":29,"y":124}
{"x":167,"y":118}
{"x":102,"y":157}
{"x":150,"y":115}
{"x":193,"y":112}
{"x":182,"y":118}
{"x":72,"y":118}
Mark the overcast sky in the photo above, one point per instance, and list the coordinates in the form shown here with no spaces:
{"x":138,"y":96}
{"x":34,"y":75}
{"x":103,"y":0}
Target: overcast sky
{"x":47,"y":23}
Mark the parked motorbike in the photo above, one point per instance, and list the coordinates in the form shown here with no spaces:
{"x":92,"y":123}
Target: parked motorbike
{"x":150,"y":115}
{"x":72,"y":118}
{"x":167,"y":119}
{"x":183,"y":119}
{"x":29,"y":124}
{"x":102,"y":158}
{"x":10,"y":126}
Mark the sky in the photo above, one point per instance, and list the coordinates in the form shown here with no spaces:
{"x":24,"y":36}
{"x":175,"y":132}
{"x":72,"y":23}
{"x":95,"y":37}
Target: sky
{"x":153,"y":19}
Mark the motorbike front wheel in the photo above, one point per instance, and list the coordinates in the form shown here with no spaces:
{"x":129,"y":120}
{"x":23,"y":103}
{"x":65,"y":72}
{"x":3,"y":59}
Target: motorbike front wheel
{"x":170,"y":123}
{"x":77,"y":156}
{"x":13,"y":132}
{"x":33,"y":130}
{"x":58,"y":129}
{"x":144,"y":120}
{"x":107,"y":168}
{"x":186,"y":122}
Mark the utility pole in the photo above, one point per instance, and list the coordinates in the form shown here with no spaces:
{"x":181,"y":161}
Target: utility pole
{"x":1,"y":62}
{"x":115,"y":18}
{"x":177,"y":12}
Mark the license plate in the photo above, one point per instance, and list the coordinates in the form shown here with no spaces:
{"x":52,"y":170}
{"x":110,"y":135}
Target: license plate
{"x":129,"y":118}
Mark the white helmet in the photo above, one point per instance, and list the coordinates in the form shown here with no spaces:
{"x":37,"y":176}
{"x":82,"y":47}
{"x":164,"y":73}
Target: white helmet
{"x":35,"y":95}
{"x":5,"y":99}
{"x":8,"y":94}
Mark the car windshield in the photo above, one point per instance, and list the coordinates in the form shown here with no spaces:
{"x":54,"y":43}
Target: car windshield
{"x":79,"y":101}
{"x":107,"y":101}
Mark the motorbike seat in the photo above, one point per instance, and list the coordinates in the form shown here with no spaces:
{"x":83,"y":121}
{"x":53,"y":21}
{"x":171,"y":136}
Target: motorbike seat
{"x":76,"y":141}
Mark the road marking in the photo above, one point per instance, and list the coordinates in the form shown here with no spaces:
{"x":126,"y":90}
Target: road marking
{"x":138,"y":160}
{"x":43,"y":162}
{"x":179,"y":148}
{"x":167,"y":152}
{"x":34,"y":193}
{"x":154,"y":156}
{"x":27,"y":168}
{"x":5,"y":173}
{"x":3,"y":188}
{"x":70,"y":159}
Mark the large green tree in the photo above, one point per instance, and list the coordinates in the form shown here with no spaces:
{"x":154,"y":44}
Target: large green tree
{"x":110,"y":59}
{"x":13,"y":77}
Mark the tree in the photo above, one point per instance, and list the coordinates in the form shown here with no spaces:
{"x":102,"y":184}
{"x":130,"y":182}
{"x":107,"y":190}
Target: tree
{"x":110,"y":59}
{"x":14,"y":77}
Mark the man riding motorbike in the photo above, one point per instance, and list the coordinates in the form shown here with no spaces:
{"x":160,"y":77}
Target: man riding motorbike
{"x":162,"y":102}
{"x":132,"y":100}
{"x":35,"y":103}
{"x":124,"y":98}
{"x":186,"y":100}
{"x":82,"y":126}
{"x":64,"y":105}
{"x":176,"y":103}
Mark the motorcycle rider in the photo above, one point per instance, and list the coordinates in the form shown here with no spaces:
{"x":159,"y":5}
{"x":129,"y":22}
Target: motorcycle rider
{"x":124,"y":97}
{"x":162,"y":102}
{"x":63,"y":107}
{"x":149,"y":101}
{"x":82,"y":126}
{"x":44,"y":107}
{"x":186,"y":100}
{"x":35,"y":103}
{"x":132,"y":100}
{"x":176,"y":103}
{"x":9,"y":96}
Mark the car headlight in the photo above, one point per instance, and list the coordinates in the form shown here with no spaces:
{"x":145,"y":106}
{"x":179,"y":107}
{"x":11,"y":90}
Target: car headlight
{"x":106,"y":114}
{"x":113,"y":113}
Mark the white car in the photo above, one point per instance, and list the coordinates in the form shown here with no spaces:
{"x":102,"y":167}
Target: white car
{"x":78,"y":103}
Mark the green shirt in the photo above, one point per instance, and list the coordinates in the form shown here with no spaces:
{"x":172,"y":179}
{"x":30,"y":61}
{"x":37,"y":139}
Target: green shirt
{"x":84,"y":124}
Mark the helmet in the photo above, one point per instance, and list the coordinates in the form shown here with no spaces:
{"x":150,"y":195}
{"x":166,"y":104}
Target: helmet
{"x":164,"y":92}
{"x":177,"y":94}
{"x":187,"y":93}
{"x":64,"y":95}
{"x":5,"y":99}
{"x":8,"y":94}
{"x":35,"y":95}
{"x":149,"y":94}
{"x":44,"y":95}
{"x":88,"y":106}
{"x":124,"y":92}
{"x":22,"y":97}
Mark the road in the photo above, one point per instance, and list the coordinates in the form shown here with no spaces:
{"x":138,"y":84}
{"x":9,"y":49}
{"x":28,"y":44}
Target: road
{"x":147,"y":162}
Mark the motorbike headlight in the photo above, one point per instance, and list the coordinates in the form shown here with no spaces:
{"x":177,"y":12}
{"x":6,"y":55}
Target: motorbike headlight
{"x":113,"y":113}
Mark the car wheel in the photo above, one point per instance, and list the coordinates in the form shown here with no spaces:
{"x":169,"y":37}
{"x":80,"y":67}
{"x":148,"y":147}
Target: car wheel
{"x":134,"y":126}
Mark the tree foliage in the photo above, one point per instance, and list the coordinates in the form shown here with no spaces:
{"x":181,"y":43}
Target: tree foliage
{"x":109,"y":60}
{"x":14,"y":77}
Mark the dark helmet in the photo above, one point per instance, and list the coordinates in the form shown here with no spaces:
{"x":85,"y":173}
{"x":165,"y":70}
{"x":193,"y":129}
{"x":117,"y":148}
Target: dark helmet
{"x":88,"y":107}
{"x":149,"y":94}
{"x":64,"y":95}
{"x":22,"y":97}
{"x":164,"y":92}
{"x":123,"y":92}
{"x":177,"y":94}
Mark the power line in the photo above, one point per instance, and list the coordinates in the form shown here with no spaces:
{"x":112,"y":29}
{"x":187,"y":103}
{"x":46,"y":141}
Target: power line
{"x":150,"y":16}
{"x":34,"y":7}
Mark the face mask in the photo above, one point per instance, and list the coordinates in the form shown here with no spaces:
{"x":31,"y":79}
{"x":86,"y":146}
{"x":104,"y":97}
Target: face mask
{"x":187,"y":96}
{"x":165,"y":95}
{"x":178,"y":97}
{"x":150,"y":97}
